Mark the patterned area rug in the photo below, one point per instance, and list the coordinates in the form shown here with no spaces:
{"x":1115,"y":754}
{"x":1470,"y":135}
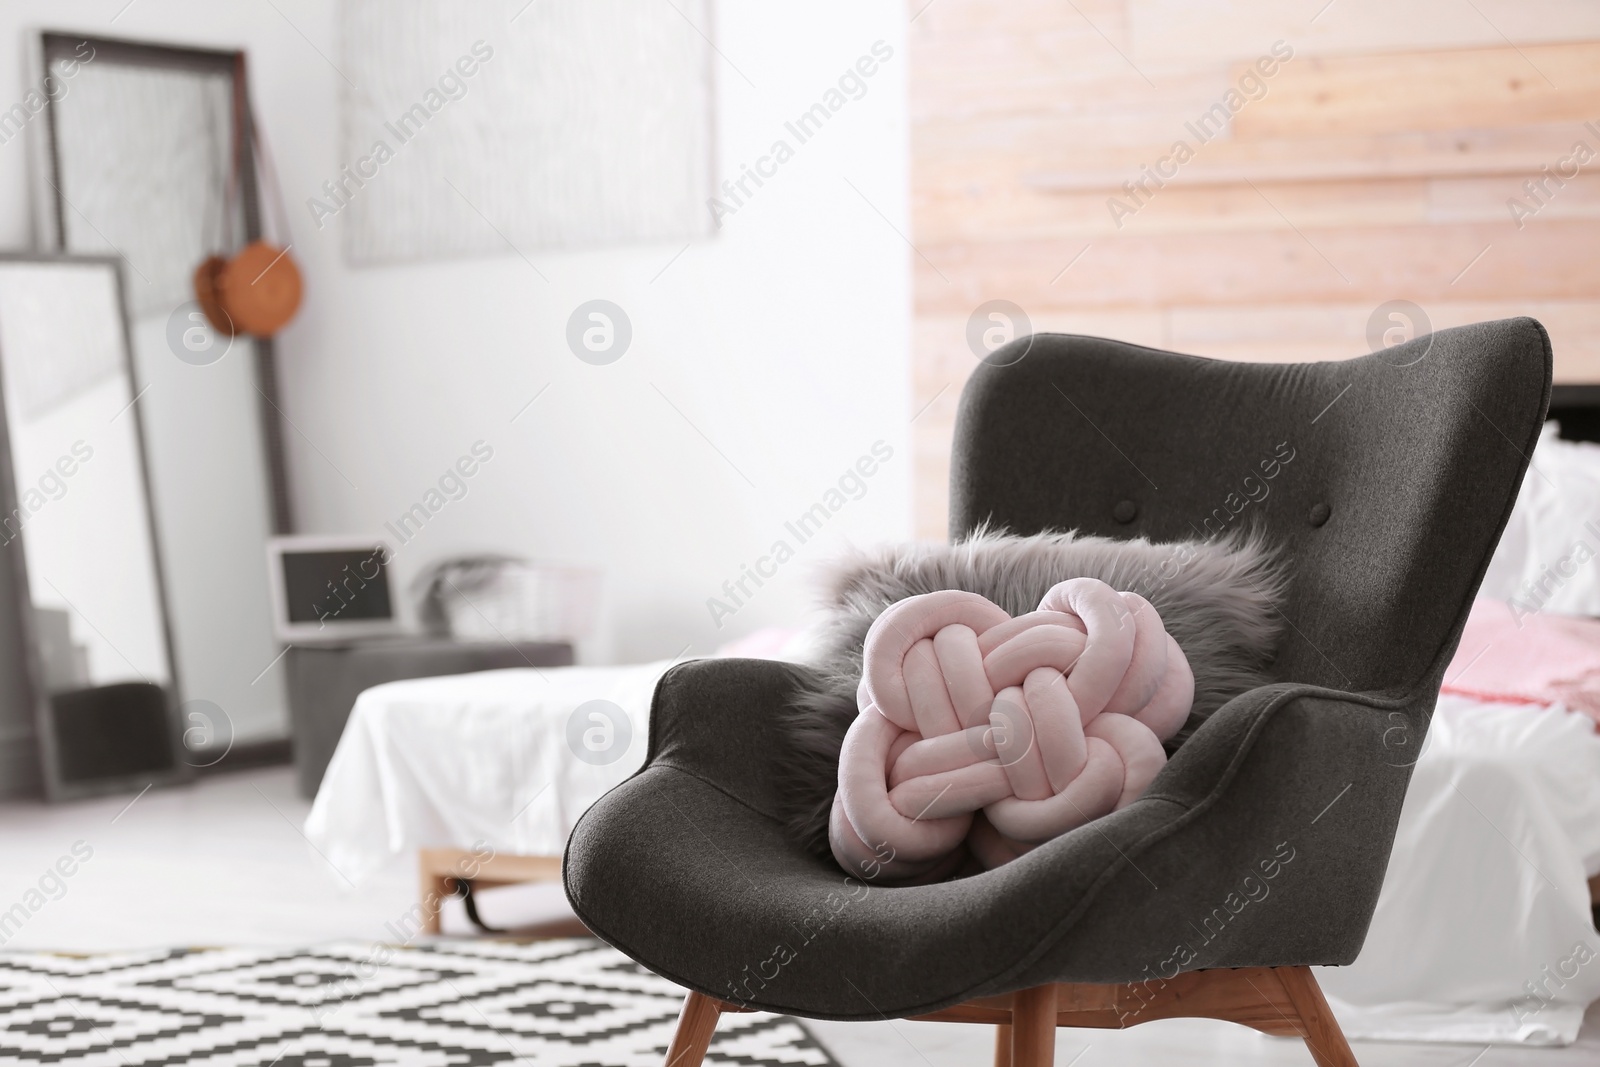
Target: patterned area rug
{"x":568,"y":1003}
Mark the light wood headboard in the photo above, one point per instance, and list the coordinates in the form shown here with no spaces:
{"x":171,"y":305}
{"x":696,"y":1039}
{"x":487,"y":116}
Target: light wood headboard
{"x":1379,"y":161}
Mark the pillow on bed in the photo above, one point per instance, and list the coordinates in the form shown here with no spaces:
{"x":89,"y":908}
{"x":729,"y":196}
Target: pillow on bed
{"x":1544,"y":557}
{"x":1218,"y":599}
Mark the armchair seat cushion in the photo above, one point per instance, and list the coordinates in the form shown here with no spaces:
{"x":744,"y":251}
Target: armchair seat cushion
{"x":745,"y":917}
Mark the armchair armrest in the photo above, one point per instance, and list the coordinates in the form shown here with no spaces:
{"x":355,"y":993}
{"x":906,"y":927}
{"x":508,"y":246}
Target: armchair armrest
{"x":1386,"y":728}
{"x":719,"y":720}
{"x":1285,"y":770}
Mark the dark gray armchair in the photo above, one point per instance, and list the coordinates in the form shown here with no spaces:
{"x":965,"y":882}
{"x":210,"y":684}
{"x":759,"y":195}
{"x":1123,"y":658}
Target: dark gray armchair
{"x":1258,"y":850}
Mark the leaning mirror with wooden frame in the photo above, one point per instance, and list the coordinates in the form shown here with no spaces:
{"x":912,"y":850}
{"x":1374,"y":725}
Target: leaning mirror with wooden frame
{"x":77,"y":530}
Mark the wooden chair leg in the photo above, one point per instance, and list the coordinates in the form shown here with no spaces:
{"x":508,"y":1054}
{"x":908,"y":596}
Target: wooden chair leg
{"x":1285,"y":1001}
{"x":696,"y":1023}
{"x":1323,"y":1036}
{"x":1002,"y":1045}
{"x":1033,"y":1027}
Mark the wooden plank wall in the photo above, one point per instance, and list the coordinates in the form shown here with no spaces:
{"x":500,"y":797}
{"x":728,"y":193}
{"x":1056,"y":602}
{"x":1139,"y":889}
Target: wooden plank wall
{"x":1379,"y":161}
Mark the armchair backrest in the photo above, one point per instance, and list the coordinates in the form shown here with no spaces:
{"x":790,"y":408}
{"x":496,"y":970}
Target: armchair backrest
{"x":1386,"y":479}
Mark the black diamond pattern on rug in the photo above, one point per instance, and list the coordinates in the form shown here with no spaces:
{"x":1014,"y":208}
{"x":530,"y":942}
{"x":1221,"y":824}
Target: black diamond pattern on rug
{"x":566,"y":1003}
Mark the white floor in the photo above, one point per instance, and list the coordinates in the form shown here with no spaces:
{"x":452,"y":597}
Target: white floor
{"x":223,"y":862}
{"x":219,"y":862}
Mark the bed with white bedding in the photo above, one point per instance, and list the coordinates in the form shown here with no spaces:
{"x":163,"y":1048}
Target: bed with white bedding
{"x":1483,"y":931}
{"x":474,"y":759}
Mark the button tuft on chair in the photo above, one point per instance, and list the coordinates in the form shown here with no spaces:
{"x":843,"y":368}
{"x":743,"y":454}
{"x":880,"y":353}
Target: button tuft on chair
{"x":1319,"y":514}
{"x":1125,"y":511}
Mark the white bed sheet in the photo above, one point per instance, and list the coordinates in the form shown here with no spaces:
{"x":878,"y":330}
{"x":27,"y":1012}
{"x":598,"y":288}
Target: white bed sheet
{"x":1485,"y":889}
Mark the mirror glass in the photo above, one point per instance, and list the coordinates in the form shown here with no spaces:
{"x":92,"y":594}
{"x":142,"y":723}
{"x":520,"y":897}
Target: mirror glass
{"x":77,"y":527}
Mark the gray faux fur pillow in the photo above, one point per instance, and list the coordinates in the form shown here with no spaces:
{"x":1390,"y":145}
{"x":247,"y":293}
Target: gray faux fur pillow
{"x":1218,"y":599}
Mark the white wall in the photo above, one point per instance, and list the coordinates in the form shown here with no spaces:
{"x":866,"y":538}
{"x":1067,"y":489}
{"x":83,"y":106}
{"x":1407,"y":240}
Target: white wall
{"x":784,"y":340}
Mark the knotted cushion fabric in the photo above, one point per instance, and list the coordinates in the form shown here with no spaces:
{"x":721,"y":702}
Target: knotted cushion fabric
{"x":996,"y":733}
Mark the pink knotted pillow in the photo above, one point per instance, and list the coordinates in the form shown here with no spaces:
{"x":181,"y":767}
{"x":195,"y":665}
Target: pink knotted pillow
{"x":983,"y":732}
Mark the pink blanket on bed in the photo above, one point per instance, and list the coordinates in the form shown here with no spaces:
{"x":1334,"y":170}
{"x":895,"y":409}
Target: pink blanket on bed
{"x":1525,"y":657}
{"x":1000,"y":732}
